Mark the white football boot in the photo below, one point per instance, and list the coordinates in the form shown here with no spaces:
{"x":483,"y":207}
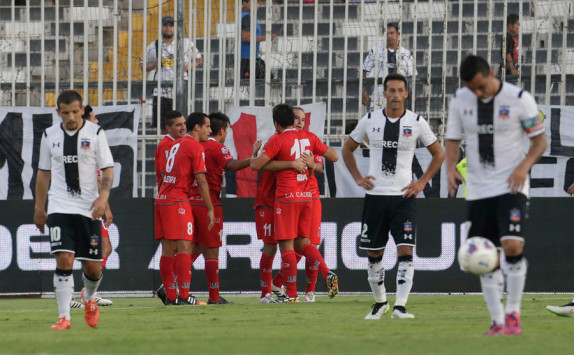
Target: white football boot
{"x":378,"y":309}
{"x":562,"y":311}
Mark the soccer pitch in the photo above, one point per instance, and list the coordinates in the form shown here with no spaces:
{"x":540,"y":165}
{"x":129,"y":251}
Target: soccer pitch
{"x":444,"y":324}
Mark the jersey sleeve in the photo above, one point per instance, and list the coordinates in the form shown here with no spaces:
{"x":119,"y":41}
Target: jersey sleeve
{"x":360,"y":132}
{"x":151,"y":52}
{"x":246,"y":23}
{"x":319,"y":148}
{"x":453,"y":123}
{"x":529,"y":119}
{"x":319,"y":160}
{"x":427,"y":136}
{"x":224,"y":156}
{"x":272,"y":147}
{"x":45,"y":162}
{"x":369,"y":62}
{"x":104,"y":157}
{"x":160,"y":161}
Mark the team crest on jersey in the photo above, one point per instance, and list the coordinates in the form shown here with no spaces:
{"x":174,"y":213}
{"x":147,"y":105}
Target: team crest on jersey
{"x":181,"y":211}
{"x":408,"y":226}
{"x":515,"y":215}
{"x":94,"y":240}
{"x":278,"y":210}
{"x":407,"y":131}
{"x":504,"y":112}
{"x":85,"y":143}
{"x":262,"y":213}
{"x":224,"y":150}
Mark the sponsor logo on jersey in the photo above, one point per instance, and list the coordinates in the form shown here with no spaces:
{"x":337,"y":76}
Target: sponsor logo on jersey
{"x":299,"y":194}
{"x":278,"y":210}
{"x":169,"y":179}
{"x":504,"y":112}
{"x":262,"y":213}
{"x":196,"y":198}
{"x":485,"y":129}
{"x":54,"y":145}
{"x":94,"y":251}
{"x":467,"y":112}
{"x":94,"y":240}
{"x":181,"y":210}
{"x":161,"y":197}
{"x":377,"y":129}
{"x":224,"y":150}
{"x":408,"y":226}
{"x":515,"y":215}
{"x":85,"y":143}
{"x":301,"y":177}
{"x":407,"y":131}
{"x":389,"y":144}
{"x":69,"y":159}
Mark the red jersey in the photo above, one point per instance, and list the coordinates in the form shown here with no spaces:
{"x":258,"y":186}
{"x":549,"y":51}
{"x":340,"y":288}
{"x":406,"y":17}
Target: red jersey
{"x":185,"y":159}
{"x":265,"y":195}
{"x":313,"y":184}
{"x":216,"y":158}
{"x":161,"y":153}
{"x":288,"y":146}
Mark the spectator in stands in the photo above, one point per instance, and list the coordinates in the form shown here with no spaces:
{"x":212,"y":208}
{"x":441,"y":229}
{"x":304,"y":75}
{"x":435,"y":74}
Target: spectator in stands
{"x":167,"y":56}
{"x":511,"y":56}
{"x":246,"y":43}
{"x":399,"y":60}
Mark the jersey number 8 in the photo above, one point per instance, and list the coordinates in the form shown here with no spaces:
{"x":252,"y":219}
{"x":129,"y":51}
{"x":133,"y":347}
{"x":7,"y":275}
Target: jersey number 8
{"x":171,"y":157}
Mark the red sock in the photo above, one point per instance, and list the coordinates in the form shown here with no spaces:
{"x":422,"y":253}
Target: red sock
{"x":166,"y":272}
{"x":212,"y":273}
{"x":314,"y":257}
{"x":104,"y":263}
{"x":265,"y":273}
{"x":183,"y":272}
{"x":279,"y":278}
{"x":311,"y":271}
{"x":289,"y":268}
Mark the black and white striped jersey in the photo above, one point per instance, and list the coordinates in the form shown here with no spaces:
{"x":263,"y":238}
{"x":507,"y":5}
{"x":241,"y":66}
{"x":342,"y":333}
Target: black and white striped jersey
{"x":74,"y":159}
{"x":393,"y":142}
{"x":496,"y":131}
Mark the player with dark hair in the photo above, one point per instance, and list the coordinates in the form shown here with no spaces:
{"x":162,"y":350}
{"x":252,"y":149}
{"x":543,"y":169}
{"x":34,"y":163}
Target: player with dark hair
{"x":70,"y":155}
{"x":293,"y":199}
{"x":174,"y":223}
{"x":390,"y":203}
{"x":175,"y":128}
{"x":494,"y":118}
{"x":208,"y":241}
{"x":512,"y":45}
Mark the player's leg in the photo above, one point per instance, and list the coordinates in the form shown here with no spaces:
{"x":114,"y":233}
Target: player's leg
{"x":403,"y":229}
{"x":512,"y":213}
{"x":106,"y":252}
{"x":182,"y":269}
{"x":481,"y":222}
{"x":311,"y":270}
{"x":374,"y":237}
{"x":167,"y":272}
{"x":286,"y":221}
{"x":264,"y":227}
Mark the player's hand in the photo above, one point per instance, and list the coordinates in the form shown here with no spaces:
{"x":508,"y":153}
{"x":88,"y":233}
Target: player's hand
{"x":109,"y":217}
{"x":40,"y":218}
{"x":299,"y":165}
{"x":98,"y":209}
{"x":453,"y":177}
{"x":517,"y":179}
{"x":256,"y":147}
{"x":309,"y":160}
{"x":571,"y":190}
{"x":413,"y":189}
{"x":366,"y":183}
{"x":210,"y":219}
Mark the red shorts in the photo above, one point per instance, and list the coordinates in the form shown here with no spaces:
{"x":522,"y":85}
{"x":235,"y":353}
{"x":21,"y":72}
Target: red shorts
{"x":174,"y":221}
{"x":264,"y":218}
{"x":292,"y":220}
{"x":209,"y":238}
{"x":105,"y":233}
{"x":315,"y":232}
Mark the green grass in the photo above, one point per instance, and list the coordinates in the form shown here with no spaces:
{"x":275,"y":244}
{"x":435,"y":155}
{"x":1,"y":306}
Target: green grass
{"x":444,"y":324}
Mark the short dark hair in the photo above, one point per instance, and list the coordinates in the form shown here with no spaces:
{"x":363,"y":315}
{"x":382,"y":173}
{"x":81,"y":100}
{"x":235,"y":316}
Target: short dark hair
{"x":195,"y":118}
{"x":511,"y":19}
{"x":218,"y":120}
{"x":395,"y":76}
{"x":394,"y":25}
{"x":67,"y":97}
{"x":473,"y":65}
{"x":171,"y":116}
{"x":283,"y":115}
{"x":87,"y":110}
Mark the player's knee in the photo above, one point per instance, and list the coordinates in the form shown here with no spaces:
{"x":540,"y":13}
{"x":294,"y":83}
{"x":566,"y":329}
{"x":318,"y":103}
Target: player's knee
{"x":404,"y":250}
{"x":65,"y":261}
{"x":512,"y":247}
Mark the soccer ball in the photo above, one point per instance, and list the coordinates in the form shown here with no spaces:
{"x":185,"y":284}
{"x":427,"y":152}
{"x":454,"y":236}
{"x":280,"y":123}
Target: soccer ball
{"x":478,"y":256}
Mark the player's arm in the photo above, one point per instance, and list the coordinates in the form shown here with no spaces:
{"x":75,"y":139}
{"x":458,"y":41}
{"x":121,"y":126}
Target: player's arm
{"x":101,"y":203}
{"x":452,"y":148}
{"x":518,"y":177}
{"x":571,"y":189}
{"x":330,"y":155}
{"x":42,"y":185}
{"x":347,"y":152}
{"x":235,"y":165}
{"x":108,"y":214}
{"x":414,"y":188}
{"x":204,"y":192}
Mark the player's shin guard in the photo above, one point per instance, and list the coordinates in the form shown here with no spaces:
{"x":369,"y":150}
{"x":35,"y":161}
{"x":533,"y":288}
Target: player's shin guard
{"x":492,"y":285}
{"x":265,"y":273}
{"x":167,"y":279}
{"x":376,"y":278}
{"x":312,"y":254}
{"x":515,"y":272}
{"x":183,"y":273}
{"x":212,"y":274}
{"x":289,"y":268}
{"x":64,"y":288}
{"x":91,"y":286}
{"x":279,"y":278}
{"x":405,"y":275}
{"x":312,"y":272}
